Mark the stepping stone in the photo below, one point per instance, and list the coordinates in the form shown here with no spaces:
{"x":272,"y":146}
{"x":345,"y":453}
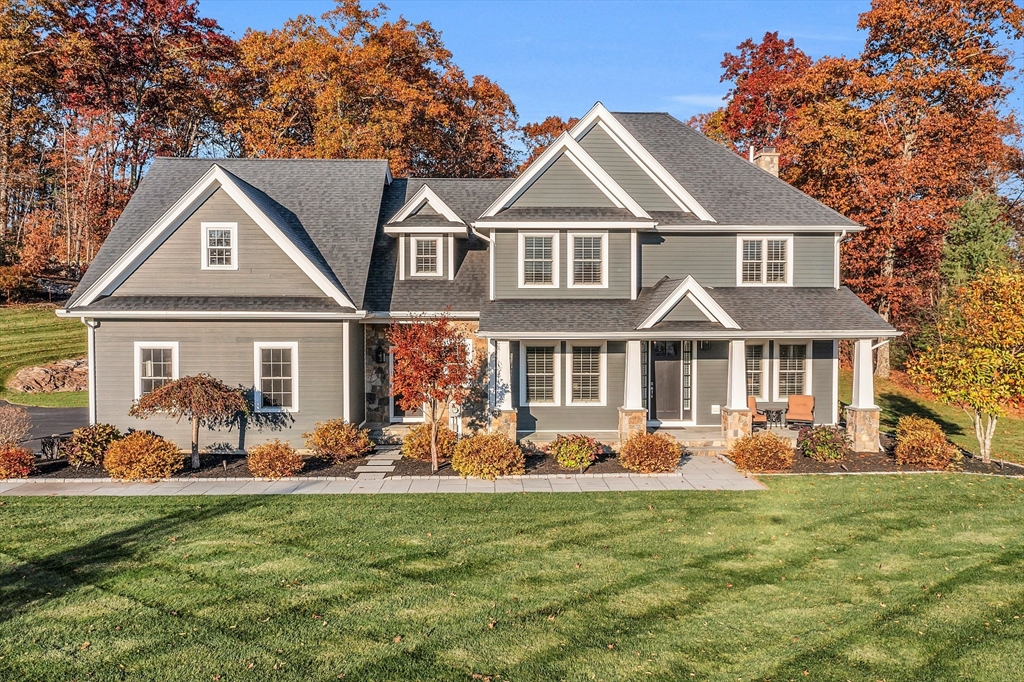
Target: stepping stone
{"x":370,"y":476}
{"x":382,"y":470}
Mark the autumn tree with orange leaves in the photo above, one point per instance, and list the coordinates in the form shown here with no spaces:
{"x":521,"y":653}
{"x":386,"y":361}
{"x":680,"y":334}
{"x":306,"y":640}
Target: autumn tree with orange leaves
{"x":538,"y":136}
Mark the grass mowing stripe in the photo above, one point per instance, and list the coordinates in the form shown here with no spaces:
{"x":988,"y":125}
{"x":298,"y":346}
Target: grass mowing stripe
{"x":34,"y":335}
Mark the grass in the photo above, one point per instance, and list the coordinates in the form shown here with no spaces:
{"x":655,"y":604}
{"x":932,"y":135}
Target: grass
{"x":32,"y":335}
{"x":897,"y":401}
{"x":911,"y":577}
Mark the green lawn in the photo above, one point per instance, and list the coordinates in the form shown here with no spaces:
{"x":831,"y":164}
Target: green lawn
{"x":897,"y":401}
{"x":33,"y":335}
{"x":824,"y":578}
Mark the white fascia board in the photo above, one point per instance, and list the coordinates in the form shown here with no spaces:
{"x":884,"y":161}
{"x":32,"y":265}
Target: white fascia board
{"x":827,"y":335}
{"x":425,"y":195}
{"x":385,"y":316}
{"x":598,"y":114}
{"x":209,"y":315}
{"x":399,"y":230}
{"x":180,"y":211}
{"x":701,"y":298}
{"x":567,"y":224}
{"x":565,"y":144}
{"x":757,"y":228}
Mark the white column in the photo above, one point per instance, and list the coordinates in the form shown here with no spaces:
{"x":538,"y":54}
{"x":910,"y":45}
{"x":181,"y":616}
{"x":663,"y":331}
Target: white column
{"x":863,"y":376}
{"x":91,"y":325}
{"x":346,"y":364}
{"x":634,"y":380}
{"x":736,"y":396}
{"x":502,"y":386}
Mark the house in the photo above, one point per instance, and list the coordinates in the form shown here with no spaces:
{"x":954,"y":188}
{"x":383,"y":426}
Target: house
{"x":636,"y":275}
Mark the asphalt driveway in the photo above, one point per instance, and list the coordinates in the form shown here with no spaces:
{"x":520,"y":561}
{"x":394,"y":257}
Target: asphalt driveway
{"x":49,"y":421}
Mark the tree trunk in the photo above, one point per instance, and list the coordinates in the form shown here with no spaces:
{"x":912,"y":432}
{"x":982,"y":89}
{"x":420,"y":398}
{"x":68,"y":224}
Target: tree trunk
{"x":195,"y":442}
{"x":984,"y":430}
{"x":433,"y":442}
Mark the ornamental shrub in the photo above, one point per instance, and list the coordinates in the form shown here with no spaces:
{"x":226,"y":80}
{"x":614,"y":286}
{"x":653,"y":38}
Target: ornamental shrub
{"x":574,"y":452}
{"x":762,"y":451}
{"x":274,"y":460}
{"x":338,"y":440}
{"x":488,"y":456}
{"x":921,"y":442}
{"x":15,"y":462}
{"x":416,"y":444}
{"x":142,"y":456}
{"x":88,"y":445}
{"x":824,"y":443}
{"x":650,"y":453}
{"x":15,"y":425}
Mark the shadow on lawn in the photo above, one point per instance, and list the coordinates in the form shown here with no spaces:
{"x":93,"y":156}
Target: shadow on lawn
{"x":898,"y":405}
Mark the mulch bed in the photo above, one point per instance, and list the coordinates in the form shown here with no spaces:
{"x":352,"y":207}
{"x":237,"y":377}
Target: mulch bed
{"x":537,"y":462}
{"x":211,"y":466}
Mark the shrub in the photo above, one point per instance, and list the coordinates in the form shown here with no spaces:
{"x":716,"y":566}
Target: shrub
{"x":488,"y":456}
{"x":574,"y":452}
{"x":89,"y":444}
{"x":15,"y":282}
{"x":274,"y":460}
{"x":15,"y":425}
{"x":824,"y":443}
{"x":417,"y":443}
{"x":338,"y":440}
{"x":921,"y":442}
{"x":15,"y":462}
{"x":763,"y":451}
{"x":142,"y":456}
{"x":650,"y":453}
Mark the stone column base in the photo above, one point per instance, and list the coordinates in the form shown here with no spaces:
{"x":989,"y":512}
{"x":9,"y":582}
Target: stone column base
{"x":862,"y":425}
{"x":736,"y":424}
{"x":631,"y":421}
{"x":505,"y":422}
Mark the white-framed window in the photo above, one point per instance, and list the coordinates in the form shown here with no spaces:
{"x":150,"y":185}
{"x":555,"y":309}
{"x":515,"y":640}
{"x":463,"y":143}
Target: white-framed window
{"x":156,"y":364}
{"x":755,"y":361}
{"x":588,"y":259}
{"x":427,"y":255}
{"x":538,"y":259}
{"x":587,"y":369}
{"x":765,"y":260}
{"x":220,"y":246}
{"x":540,"y":369}
{"x":792,"y":368}
{"x":276,"y":376}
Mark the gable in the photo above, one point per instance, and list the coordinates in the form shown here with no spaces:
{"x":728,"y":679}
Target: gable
{"x":425,"y":209}
{"x":563,"y":184}
{"x":175,"y":267}
{"x":686,"y":311}
{"x":688,"y":292}
{"x":630,"y":176}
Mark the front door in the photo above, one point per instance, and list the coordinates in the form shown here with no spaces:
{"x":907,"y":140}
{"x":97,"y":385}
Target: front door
{"x":672,"y":380}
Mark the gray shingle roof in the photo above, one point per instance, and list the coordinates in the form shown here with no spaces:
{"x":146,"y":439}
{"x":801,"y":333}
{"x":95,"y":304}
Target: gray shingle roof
{"x":468,"y":197}
{"x":561,"y":213}
{"x":732,"y":189}
{"x":331,"y":206}
{"x":292,"y":304}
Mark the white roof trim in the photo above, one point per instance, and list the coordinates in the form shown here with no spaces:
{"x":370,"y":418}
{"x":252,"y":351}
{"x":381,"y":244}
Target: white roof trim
{"x":599,"y":115}
{"x":425,"y":195}
{"x":209,"y":315}
{"x":398,"y":230}
{"x":565,"y":144}
{"x":565,"y":224}
{"x":216,"y":177}
{"x":674,"y":335}
{"x":758,"y":228}
{"x":689,"y":288}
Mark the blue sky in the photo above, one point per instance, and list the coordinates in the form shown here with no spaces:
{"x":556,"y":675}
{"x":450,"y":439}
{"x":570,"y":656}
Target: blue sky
{"x":561,"y":57}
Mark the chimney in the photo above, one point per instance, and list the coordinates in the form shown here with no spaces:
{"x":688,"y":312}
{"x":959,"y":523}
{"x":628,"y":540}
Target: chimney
{"x":767,"y":160}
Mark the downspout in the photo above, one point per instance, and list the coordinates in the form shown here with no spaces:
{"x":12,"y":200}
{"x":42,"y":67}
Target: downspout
{"x":92,"y":324}
{"x":839,"y":239}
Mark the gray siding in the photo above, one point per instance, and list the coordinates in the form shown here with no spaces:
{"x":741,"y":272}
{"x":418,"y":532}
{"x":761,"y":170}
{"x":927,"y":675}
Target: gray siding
{"x":814,"y":260}
{"x":175,"y":268}
{"x":712,"y":379}
{"x":685,"y":311}
{"x":574,"y":418}
{"x":224,"y":350}
{"x":356,"y":378}
{"x":563,"y":184}
{"x":625,"y":171}
{"x":506,"y":269}
{"x":821,"y":382}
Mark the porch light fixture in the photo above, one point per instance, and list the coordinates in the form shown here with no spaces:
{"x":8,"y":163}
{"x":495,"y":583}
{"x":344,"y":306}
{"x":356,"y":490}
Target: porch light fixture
{"x":378,"y":355}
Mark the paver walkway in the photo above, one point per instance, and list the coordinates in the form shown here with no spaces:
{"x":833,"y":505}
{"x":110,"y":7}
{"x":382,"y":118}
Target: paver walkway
{"x":695,"y":473}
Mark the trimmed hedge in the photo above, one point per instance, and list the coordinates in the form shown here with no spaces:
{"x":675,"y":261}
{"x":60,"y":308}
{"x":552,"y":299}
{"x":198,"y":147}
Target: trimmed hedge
{"x":574,"y":452}
{"x":824,"y":443}
{"x":921,"y":442}
{"x":15,"y":462}
{"x":337,"y":440}
{"x":488,"y":456}
{"x":416,"y":444}
{"x":762,"y":451}
{"x":650,"y":453}
{"x":274,"y":460}
{"x":142,"y":456}
{"x":88,"y":445}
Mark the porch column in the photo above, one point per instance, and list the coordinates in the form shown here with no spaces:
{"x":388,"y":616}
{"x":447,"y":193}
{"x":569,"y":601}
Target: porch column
{"x":862,"y":414}
{"x":737,"y":419}
{"x":503,"y":416}
{"x":633,"y":415}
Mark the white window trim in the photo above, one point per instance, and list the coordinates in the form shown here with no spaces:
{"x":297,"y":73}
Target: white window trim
{"x":765,"y":364}
{"x":413,"y":241}
{"x":205,"y":229}
{"x":763,"y":238}
{"x":555,"y":259}
{"x":571,"y":260}
{"x":257,"y":395}
{"x":603,"y":401}
{"x":557,"y":345}
{"x":139,"y":346}
{"x":808,"y":365}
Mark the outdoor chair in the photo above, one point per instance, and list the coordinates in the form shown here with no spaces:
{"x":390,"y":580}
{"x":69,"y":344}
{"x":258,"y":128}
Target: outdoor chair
{"x":801,"y":409}
{"x":758,"y":419}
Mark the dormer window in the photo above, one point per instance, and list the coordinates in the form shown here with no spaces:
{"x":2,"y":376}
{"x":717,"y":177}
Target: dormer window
{"x":765,"y":261}
{"x":220,"y":246}
{"x":426,"y":256}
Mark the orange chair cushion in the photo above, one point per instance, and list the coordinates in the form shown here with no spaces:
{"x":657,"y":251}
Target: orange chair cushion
{"x":801,"y":408}
{"x":752,"y":406}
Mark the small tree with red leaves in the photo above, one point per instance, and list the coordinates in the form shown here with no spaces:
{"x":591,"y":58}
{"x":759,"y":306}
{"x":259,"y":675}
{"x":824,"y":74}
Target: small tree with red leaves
{"x":433,"y":369}
{"x":201,"y":399}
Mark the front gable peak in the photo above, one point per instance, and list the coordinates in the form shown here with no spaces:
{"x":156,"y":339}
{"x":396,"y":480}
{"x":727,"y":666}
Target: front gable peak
{"x":690,"y":295}
{"x":425,"y":211}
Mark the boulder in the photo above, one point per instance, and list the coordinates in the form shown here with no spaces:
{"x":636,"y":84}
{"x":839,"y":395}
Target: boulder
{"x":60,"y":376}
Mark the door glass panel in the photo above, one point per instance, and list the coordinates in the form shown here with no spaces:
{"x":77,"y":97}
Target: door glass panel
{"x":666,"y":357}
{"x":687,"y":371}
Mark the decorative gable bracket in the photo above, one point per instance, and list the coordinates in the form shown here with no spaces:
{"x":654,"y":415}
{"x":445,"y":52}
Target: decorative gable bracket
{"x":698,"y":295}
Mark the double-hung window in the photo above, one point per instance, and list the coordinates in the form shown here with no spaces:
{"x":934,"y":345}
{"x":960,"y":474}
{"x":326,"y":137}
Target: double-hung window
{"x":587,"y":374}
{"x":538,"y":260}
{"x":765,"y":261}
{"x":277,"y":377}
{"x":755,"y":371}
{"x":156,"y":364}
{"x":426,"y":255}
{"x":539,"y":376}
{"x":220,"y":246}
{"x":793,"y":368}
{"x":589,"y":267}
